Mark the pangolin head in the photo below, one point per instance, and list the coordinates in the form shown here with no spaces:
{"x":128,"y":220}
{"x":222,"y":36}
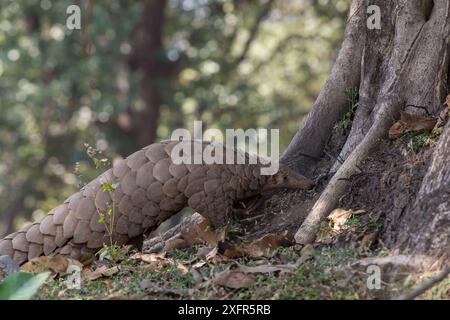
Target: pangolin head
{"x":288,"y":178}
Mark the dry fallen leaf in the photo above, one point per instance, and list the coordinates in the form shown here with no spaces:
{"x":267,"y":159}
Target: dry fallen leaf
{"x":148,"y":257}
{"x":233,"y":279}
{"x":175,"y":244}
{"x":339,"y":217}
{"x":94,"y":274}
{"x":57,"y":264}
{"x":204,"y":232}
{"x":198,"y":264}
{"x":397,"y":130}
{"x":409,"y":122}
{"x":416,"y":123}
{"x":156,"y":262}
{"x":233,"y":253}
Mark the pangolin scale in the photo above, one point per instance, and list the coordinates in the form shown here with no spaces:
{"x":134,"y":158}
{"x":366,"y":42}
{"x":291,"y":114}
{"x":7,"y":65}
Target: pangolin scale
{"x":150,"y":189}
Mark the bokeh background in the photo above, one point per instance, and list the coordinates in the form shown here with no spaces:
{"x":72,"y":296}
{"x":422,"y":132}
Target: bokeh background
{"x":139,"y":69}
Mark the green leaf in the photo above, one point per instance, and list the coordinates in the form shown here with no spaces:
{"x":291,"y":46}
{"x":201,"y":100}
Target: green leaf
{"x":21,"y":285}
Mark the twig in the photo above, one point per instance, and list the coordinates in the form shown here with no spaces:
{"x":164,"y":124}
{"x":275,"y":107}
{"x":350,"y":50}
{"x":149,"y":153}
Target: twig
{"x":427,"y":284}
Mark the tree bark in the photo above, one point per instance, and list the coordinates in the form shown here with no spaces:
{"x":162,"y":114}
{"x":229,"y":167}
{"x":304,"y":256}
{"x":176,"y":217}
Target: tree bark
{"x":427,"y":223}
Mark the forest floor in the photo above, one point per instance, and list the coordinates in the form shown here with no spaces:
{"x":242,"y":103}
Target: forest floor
{"x":323,"y":271}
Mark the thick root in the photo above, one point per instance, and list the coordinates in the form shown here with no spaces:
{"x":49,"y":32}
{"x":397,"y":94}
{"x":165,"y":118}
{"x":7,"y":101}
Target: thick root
{"x":328,"y":200}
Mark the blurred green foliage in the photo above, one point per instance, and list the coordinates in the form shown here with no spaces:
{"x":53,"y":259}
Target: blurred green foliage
{"x":60,"y":88}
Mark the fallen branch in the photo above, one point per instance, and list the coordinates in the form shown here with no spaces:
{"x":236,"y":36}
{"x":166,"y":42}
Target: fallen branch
{"x":427,"y":284}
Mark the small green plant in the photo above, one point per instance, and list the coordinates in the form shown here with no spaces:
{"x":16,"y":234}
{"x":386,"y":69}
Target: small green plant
{"x":112,"y":251}
{"x":352,"y":97}
{"x":107,"y":218}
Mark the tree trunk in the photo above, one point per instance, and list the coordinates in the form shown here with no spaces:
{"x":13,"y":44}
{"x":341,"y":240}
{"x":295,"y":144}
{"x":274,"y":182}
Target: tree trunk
{"x":427,"y":223}
{"x":406,"y":62}
{"x":149,"y":59}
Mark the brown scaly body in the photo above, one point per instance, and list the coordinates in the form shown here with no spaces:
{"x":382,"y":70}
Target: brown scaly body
{"x":151,"y":189}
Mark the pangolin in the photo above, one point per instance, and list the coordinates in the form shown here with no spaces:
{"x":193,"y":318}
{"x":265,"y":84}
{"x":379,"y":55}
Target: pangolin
{"x":150,"y":187}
